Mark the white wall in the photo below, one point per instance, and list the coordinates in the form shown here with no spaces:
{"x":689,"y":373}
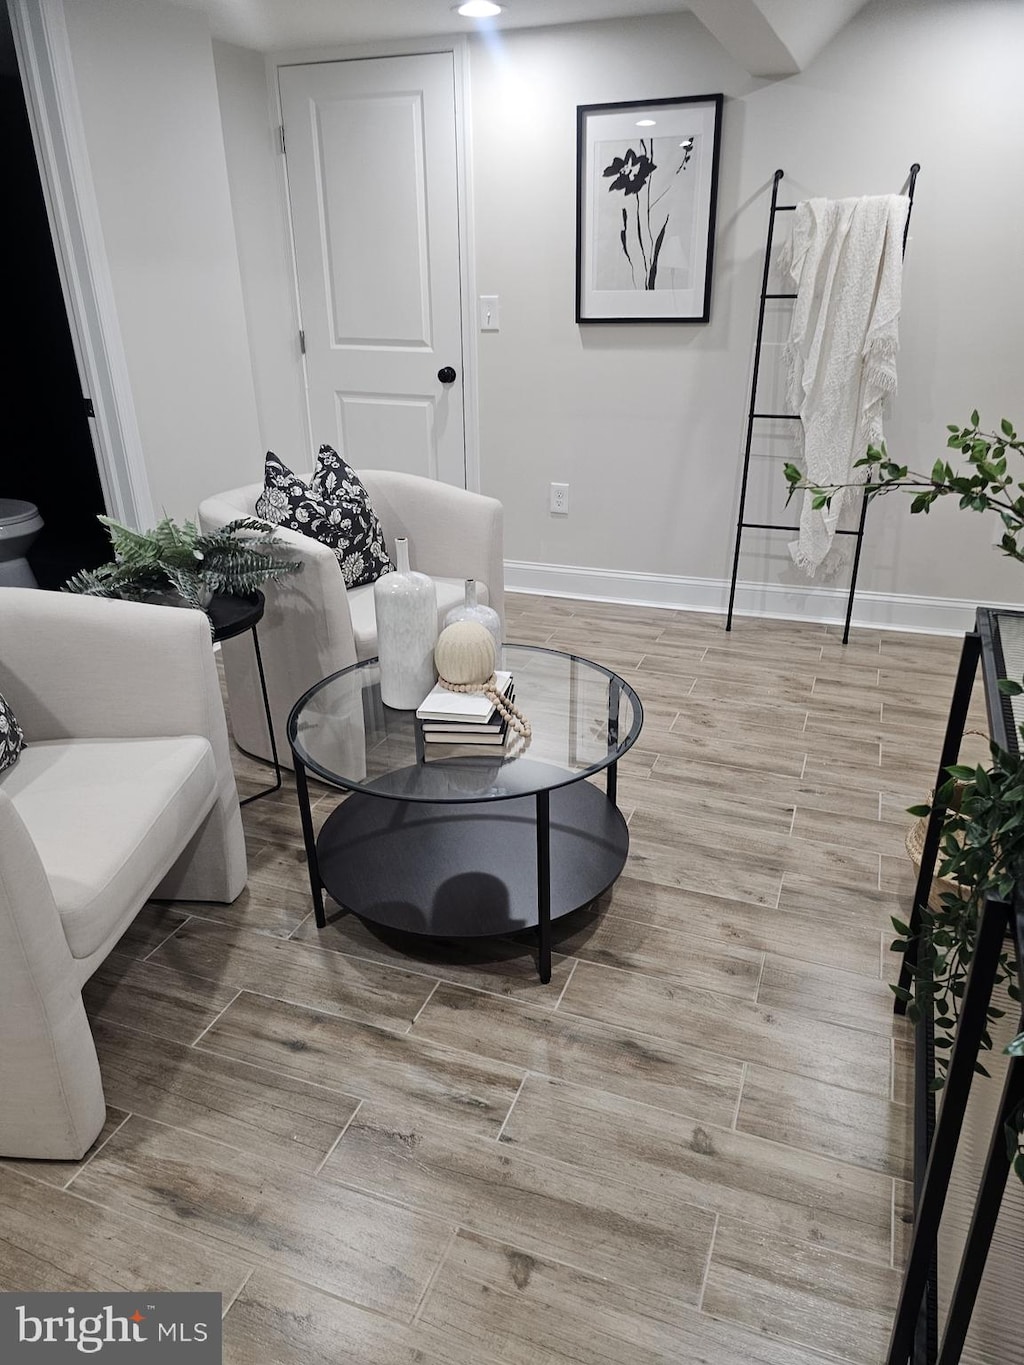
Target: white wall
{"x":146,"y":85}
{"x":261,"y":230}
{"x":646,"y":424}
{"x":625,"y":414}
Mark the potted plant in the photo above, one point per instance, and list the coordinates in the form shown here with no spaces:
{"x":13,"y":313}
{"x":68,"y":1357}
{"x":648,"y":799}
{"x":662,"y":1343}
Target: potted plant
{"x":179,"y":566}
{"x":982,"y":846}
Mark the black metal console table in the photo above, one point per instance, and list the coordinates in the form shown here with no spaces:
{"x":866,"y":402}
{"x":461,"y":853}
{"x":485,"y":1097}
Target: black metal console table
{"x":997,"y":643}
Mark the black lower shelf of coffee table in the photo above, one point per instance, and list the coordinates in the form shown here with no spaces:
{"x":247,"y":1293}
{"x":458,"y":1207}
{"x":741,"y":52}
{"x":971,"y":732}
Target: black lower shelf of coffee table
{"x":468,"y":869}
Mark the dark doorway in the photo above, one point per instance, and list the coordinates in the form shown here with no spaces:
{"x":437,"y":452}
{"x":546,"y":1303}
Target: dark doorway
{"x":49,"y":457}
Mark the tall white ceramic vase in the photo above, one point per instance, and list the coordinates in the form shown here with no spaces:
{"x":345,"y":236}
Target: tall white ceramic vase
{"x":406,"y":607}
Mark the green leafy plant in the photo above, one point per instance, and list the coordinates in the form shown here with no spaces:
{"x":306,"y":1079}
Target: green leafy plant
{"x":173,"y":559}
{"x":982,"y":846}
{"x":981,"y":854}
{"x":985,"y":485}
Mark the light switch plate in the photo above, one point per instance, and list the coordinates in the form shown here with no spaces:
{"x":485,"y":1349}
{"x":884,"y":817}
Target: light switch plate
{"x":489,"y":313}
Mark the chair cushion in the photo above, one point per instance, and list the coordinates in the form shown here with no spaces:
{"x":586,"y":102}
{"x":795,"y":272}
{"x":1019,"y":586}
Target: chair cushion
{"x":12,"y":738}
{"x":451,"y":592}
{"x":108,"y":818}
{"x":334,"y":509}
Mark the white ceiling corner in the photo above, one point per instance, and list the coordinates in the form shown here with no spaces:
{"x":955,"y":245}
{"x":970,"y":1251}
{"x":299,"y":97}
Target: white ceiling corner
{"x":774,"y":37}
{"x":766,"y":37}
{"x":272,"y":25}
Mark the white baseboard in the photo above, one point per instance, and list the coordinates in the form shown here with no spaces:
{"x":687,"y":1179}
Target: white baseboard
{"x":884,"y":611}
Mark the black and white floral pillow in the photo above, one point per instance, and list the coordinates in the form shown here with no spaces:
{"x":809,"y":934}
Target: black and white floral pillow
{"x":335,"y":480}
{"x":12,"y":739}
{"x":334,"y":509}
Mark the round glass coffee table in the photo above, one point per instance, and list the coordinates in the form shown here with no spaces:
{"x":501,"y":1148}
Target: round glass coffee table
{"x":490,"y":843}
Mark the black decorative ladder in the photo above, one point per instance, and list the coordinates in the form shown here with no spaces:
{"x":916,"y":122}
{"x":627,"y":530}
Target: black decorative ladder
{"x":754,"y":416}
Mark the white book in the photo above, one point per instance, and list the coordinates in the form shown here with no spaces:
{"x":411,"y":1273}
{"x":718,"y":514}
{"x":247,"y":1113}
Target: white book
{"x":467,"y":708}
{"x":466,"y":735}
{"x":494,"y":725}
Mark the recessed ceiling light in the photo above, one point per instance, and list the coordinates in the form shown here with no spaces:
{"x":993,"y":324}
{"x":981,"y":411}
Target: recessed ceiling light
{"x":479,"y":9}
{"x":645,"y":123}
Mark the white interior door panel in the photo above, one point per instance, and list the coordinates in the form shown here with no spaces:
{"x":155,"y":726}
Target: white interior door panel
{"x":373,"y":192}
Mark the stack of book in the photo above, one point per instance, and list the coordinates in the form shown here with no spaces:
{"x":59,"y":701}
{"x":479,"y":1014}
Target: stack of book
{"x":448,"y":721}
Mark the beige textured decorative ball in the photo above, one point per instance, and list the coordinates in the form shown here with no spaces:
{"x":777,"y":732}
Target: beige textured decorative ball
{"x":464,"y":654}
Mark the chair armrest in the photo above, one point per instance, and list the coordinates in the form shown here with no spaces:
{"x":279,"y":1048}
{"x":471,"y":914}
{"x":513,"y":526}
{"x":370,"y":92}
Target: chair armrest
{"x":452,"y":533}
{"x":313,"y":602}
{"x":305,"y":634}
{"x":32,"y":941}
{"x":49,"y":1077}
{"x":75,"y":667}
{"x":89,"y":667}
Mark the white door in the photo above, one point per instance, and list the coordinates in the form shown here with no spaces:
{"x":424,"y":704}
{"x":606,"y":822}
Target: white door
{"x":372,"y":183}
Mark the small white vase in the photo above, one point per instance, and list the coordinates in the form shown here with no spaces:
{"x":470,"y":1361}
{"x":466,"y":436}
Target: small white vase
{"x":472,"y":610}
{"x":406,"y":608}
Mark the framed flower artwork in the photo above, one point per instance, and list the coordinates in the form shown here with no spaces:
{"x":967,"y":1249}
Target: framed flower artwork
{"x":646,"y":186}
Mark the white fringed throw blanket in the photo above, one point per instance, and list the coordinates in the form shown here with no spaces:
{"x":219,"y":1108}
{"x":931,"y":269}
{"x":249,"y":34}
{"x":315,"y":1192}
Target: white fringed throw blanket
{"x":845,"y":258}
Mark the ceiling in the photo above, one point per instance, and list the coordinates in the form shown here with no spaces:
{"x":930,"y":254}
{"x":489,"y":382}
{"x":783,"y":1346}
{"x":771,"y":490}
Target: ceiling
{"x":767,"y":37}
{"x":270,"y":24}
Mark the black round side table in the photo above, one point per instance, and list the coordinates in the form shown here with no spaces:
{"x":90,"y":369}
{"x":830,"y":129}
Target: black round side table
{"x":233,"y":616}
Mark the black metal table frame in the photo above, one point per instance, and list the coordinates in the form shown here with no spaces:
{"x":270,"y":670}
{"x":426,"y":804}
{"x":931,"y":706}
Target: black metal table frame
{"x":543,"y":812}
{"x":915,"y":1329}
{"x":230,"y":632}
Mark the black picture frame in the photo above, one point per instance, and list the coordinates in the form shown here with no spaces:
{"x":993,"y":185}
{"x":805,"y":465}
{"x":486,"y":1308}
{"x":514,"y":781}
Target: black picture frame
{"x":646,"y":206}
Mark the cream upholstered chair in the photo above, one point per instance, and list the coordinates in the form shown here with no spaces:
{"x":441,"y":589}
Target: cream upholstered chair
{"x":313,"y":627}
{"x":123,"y":791}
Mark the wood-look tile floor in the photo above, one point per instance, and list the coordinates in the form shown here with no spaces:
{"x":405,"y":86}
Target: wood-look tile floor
{"x":692,"y":1146}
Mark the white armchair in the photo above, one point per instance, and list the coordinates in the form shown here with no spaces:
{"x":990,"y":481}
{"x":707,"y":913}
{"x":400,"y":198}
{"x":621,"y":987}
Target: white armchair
{"x":313,"y":627}
{"x":124,"y":791}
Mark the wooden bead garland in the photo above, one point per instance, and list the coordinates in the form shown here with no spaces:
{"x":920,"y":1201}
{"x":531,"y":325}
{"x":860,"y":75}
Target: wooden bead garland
{"x":464,"y":658}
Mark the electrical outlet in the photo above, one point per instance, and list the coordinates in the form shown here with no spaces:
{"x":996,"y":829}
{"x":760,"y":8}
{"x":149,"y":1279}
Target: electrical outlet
{"x":560,"y":499}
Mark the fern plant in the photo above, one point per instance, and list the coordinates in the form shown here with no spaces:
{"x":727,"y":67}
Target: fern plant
{"x":147,"y":565}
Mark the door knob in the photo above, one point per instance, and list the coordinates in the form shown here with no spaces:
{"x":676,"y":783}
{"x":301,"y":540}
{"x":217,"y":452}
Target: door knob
{"x":447,"y":375}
